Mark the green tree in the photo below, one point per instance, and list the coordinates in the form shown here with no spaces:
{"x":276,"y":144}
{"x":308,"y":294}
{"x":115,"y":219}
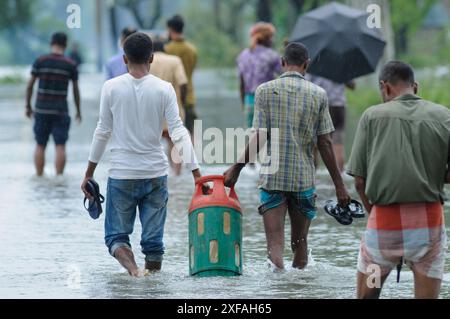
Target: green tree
{"x":285,"y":15}
{"x":146,"y":12}
{"x":264,"y":10}
{"x":15,"y":13}
{"x":220,"y":42}
{"x":229,"y":17}
{"x":407,"y":18}
{"x":16,"y":16}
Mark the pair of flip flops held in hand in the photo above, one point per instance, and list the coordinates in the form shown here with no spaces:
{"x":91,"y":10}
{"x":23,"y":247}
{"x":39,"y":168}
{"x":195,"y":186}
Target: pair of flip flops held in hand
{"x":345,"y":215}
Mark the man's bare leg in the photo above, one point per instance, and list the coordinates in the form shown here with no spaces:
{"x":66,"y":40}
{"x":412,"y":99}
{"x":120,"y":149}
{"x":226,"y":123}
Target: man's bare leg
{"x":274,"y":227}
{"x":39,"y":159}
{"x":299,"y":238}
{"x":339,"y":150}
{"x":60,"y":161}
{"x":425,"y":287}
{"x":125,"y":257}
{"x":363,"y":291}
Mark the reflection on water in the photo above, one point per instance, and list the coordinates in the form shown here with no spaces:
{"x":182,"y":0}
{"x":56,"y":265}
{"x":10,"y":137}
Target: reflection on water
{"x":52,"y":249}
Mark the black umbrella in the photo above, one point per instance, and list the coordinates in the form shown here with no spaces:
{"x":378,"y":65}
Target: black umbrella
{"x":341,"y":45}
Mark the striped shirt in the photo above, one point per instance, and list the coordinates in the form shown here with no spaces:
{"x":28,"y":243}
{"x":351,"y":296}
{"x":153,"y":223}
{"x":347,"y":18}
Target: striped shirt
{"x":299,"y":110}
{"x":54,"y":73}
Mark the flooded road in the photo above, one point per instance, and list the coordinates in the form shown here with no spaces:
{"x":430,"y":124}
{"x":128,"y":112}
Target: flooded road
{"x":52,"y":249}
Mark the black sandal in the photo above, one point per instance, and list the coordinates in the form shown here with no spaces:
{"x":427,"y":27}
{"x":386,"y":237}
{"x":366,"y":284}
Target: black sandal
{"x":95,"y":206}
{"x":356,"y":209}
{"x":342,"y":215}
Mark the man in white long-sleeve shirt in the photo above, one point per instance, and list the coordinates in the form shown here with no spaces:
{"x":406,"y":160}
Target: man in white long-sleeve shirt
{"x":133,"y":108}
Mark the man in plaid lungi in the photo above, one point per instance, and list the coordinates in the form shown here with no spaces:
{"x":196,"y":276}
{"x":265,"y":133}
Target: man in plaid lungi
{"x":400,"y":163}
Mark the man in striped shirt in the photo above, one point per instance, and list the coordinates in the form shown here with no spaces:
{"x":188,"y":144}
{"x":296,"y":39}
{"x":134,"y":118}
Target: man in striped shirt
{"x":51,"y":113}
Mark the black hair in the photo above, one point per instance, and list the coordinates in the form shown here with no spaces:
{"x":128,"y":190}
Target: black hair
{"x":59,"y":39}
{"x":158,"y":45}
{"x":397,"y":71}
{"x":138,"y":48}
{"x":176,"y":23}
{"x":127,"y":32}
{"x":296,"y":53}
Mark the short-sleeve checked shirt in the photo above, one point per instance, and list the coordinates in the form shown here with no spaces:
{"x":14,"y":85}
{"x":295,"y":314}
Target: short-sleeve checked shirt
{"x":299,"y":110}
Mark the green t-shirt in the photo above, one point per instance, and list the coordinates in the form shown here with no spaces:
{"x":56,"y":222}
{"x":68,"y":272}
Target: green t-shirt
{"x":401,"y":148}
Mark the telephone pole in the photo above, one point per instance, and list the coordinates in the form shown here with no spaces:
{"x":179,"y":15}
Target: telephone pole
{"x":99,"y":33}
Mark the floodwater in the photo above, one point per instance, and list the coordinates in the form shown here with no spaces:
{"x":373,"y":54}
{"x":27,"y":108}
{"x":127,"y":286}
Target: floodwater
{"x":50,"y":248}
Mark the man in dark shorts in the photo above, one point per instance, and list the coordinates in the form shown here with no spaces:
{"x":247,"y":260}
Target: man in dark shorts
{"x":51,"y":113}
{"x":292,"y":113}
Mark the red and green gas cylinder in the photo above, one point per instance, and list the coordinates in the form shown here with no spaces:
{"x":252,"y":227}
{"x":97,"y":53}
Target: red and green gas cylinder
{"x":215,"y":231}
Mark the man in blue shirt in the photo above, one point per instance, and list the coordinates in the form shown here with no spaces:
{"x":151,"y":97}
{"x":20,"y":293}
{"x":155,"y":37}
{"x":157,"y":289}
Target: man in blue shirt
{"x":116,"y":66}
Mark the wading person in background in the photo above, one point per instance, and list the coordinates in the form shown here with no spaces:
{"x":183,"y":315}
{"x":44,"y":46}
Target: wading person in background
{"x":170,"y":69}
{"x":338,"y":111}
{"x":400,"y":163}
{"x":187,"y":52}
{"x":133,"y":109}
{"x":116,"y":66}
{"x":257,"y":65}
{"x":299,"y":110}
{"x":51,"y":113}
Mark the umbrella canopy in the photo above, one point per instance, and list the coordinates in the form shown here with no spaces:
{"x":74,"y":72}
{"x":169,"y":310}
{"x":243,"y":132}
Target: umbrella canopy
{"x":341,"y":45}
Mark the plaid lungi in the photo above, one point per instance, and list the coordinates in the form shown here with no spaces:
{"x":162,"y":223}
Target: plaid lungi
{"x":413,"y":234}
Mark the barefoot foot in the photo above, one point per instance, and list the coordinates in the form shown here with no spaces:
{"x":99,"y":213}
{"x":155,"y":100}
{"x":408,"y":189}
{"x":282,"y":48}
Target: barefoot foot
{"x":125,"y":257}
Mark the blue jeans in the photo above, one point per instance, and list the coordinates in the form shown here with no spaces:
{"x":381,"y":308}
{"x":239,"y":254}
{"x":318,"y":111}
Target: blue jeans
{"x":123,"y":197}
